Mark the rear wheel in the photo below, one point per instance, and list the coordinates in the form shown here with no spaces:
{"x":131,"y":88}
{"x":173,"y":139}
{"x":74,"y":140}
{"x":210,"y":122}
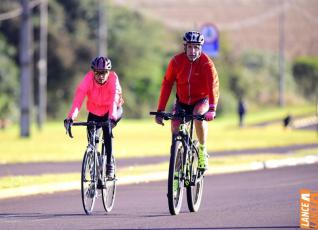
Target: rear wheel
{"x":175,"y":181}
{"x":88,"y":182}
{"x":109,"y":189}
{"x":194,"y":192}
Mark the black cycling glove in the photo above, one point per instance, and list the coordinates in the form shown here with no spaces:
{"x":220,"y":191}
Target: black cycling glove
{"x":67,"y":124}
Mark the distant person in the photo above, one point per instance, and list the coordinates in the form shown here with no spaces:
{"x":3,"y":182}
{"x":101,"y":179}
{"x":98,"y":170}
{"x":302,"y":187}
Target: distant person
{"x":197,"y":86}
{"x":287,"y":121}
{"x":104,"y":101}
{"x":241,"y":109}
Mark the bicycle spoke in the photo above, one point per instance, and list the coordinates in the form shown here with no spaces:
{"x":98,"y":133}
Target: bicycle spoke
{"x":183,"y":171}
{"x":91,"y":174}
{"x":194,"y":192}
{"x":88,"y":187}
{"x":109,"y":191}
{"x":175,"y":179}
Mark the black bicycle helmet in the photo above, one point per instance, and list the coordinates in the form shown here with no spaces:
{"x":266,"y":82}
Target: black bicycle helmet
{"x":101,"y":63}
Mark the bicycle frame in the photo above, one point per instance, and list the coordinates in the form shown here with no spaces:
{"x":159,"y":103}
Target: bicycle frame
{"x":183,"y":168}
{"x":93,"y":146}
{"x":185,"y":135}
{"x":94,"y":170}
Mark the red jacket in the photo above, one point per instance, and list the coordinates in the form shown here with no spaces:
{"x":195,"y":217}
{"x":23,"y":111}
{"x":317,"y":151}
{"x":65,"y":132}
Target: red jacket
{"x":194,"y":81}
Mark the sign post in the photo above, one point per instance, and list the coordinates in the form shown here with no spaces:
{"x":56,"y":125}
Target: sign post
{"x":211,"y":40}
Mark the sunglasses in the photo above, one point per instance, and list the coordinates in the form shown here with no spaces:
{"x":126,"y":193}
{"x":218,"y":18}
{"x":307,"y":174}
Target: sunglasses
{"x":98,"y":73}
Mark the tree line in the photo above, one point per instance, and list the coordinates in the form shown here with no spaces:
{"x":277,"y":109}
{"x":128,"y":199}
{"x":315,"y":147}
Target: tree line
{"x":139,"y":49}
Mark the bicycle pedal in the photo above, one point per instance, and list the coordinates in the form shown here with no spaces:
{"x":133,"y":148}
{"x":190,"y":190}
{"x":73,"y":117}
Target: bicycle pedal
{"x":193,"y":179}
{"x":101,"y":186}
{"x":202,"y":170}
{"x":111,"y":179}
{"x":200,"y":174}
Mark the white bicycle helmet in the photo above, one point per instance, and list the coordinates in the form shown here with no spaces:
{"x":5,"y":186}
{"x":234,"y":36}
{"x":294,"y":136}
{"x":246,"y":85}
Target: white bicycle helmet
{"x":193,"y":37}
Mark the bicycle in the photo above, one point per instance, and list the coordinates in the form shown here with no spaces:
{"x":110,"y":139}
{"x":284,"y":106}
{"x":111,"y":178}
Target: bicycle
{"x":183,"y":165}
{"x":93,"y":175}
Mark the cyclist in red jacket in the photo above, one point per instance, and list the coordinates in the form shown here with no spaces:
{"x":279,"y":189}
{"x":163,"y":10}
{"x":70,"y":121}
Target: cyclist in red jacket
{"x":104,"y":101}
{"x":197,"y":87}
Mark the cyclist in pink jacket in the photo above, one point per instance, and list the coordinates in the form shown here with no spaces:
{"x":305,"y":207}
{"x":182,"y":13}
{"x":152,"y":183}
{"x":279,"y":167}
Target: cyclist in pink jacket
{"x":104,"y":101}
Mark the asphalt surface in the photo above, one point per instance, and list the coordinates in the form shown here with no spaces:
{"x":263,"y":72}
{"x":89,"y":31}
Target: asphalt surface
{"x":73,"y":167}
{"x":265,"y":199}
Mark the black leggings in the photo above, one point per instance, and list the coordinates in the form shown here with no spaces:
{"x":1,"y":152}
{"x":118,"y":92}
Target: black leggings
{"x":107,"y":131}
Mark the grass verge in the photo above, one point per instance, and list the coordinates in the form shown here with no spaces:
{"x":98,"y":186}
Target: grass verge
{"x":143,"y":138}
{"x":217,"y":165}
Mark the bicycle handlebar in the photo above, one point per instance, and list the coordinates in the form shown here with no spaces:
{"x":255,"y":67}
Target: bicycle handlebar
{"x":182,"y":115}
{"x":92,"y":123}
{"x":88,"y":123}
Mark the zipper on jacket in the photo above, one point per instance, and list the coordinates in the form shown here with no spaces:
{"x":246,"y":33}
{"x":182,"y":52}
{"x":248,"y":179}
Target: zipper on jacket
{"x":189,"y":100}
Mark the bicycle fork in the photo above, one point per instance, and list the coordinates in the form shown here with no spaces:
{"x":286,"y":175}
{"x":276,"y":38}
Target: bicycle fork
{"x":185,"y":169}
{"x":192,"y":175}
{"x":186,"y":175}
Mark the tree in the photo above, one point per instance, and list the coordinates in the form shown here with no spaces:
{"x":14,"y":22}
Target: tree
{"x":138,"y":49}
{"x":9,"y":86}
{"x":305,"y":72}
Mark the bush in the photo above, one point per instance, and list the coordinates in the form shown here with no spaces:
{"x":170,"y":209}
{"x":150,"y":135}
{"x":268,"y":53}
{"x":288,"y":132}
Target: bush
{"x":9,"y":86}
{"x":305,"y":72}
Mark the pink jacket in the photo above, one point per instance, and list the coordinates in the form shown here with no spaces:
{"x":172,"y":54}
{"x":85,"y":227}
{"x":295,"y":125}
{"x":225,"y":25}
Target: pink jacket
{"x":101,"y":99}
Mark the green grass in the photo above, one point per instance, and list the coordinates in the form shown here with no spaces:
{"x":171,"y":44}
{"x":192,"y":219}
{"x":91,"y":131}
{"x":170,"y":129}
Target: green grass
{"x":268,"y":114}
{"x":144,"y":138}
{"x":20,"y":181}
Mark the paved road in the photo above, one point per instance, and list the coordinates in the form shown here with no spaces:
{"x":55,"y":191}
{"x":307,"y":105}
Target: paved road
{"x":73,"y":167}
{"x":266,"y":199}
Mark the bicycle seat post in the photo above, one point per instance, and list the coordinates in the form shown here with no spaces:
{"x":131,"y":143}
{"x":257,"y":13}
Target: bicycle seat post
{"x":183,"y":115}
{"x":92,"y":139}
{"x":191,"y":129}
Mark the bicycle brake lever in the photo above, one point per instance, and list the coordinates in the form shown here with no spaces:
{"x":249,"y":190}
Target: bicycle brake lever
{"x":200,"y":117}
{"x":69,"y":132}
{"x":166,"y":118}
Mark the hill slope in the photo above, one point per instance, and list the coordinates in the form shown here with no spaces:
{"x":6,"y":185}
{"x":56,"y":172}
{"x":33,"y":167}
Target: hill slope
{"x":247,"y":24}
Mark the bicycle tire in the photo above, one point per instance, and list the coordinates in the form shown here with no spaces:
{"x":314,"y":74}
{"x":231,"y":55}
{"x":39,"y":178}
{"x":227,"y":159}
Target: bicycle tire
{"x":88,"y":182}
{"x":195,"y":191}
{"x":175,"y":176}
{"x":109,"y":191}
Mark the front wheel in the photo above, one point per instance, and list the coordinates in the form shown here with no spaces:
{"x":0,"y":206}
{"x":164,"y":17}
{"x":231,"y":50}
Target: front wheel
{"x":194,"y":192}
{"x":109,"y":188}
{"x":88,"y":182}
{"x":175,"y":181}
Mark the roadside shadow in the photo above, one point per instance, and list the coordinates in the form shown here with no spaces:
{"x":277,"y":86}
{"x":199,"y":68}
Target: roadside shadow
{"x":36,"y":215}
{"x":222,"y":228}
{"x":96,"y":214}
{"x":43,"y":216}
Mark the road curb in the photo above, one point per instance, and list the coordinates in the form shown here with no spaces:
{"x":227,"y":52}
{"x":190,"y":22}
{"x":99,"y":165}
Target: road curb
{"x":156,"y":176}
